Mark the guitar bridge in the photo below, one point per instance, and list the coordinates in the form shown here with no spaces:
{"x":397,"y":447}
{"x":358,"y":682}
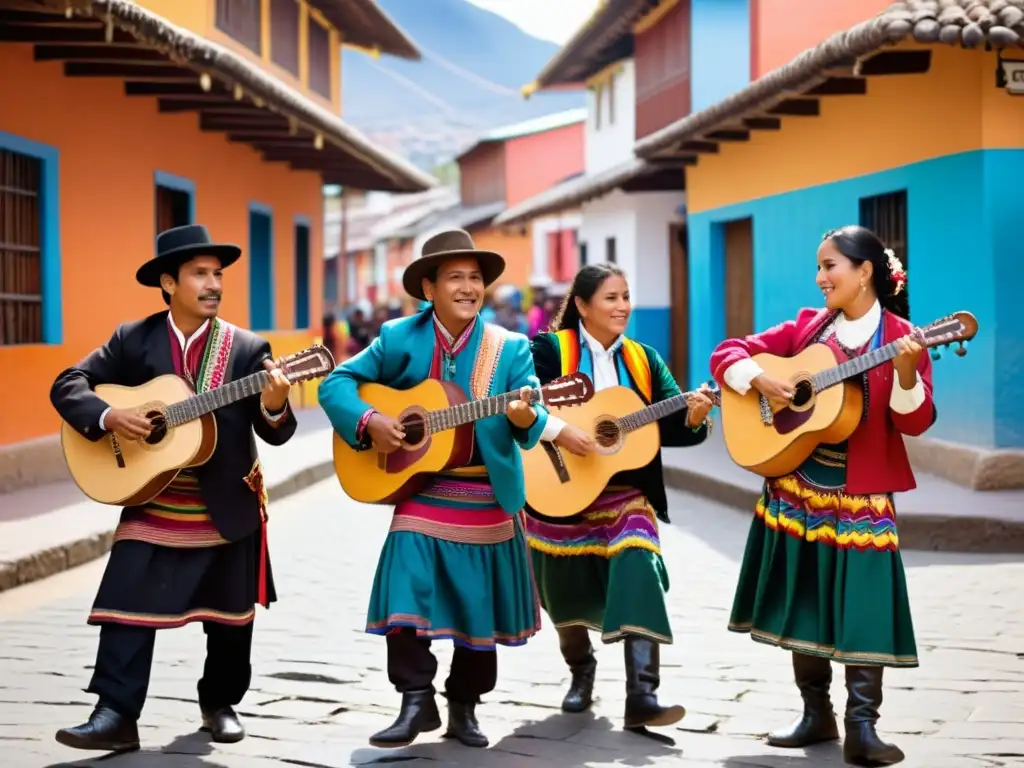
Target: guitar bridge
{"x":767,"y":417}
{"x":557,"y":461}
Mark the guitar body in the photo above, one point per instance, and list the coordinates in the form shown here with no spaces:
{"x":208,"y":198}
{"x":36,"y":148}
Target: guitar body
{"x":829,"y":417}
{"x":378,"y":478}
{"x":145,"y":467}
{"x":561,"y":484}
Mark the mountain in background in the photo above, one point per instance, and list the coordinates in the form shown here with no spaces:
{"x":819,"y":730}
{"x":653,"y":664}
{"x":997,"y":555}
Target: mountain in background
{"x":474,"y":65}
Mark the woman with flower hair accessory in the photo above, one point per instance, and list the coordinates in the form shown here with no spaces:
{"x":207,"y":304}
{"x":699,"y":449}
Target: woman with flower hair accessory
{"x":822,"y":574}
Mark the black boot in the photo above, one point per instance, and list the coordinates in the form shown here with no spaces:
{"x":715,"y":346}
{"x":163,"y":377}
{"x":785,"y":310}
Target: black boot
{"x":813,"y":676}
{"x":462,"y":725}
{"x":223,"y":725}
{"x":579,"y":655}
{"x":862,"y":745}
{"x":642,"y":680}
{"x":418,"y":715}
{"x":106,"y":730}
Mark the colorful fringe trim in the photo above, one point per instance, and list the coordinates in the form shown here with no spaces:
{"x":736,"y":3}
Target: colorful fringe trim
{"x":459,"y":507}
{"x":619,"y":519}
{"x":829,"y":516}
{"x":175,"y":518}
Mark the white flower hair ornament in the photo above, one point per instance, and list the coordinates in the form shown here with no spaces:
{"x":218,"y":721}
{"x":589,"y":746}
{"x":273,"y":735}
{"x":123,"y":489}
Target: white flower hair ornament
{"x":896,"y":271}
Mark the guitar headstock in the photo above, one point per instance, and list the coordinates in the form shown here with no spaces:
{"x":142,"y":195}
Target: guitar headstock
{"x":711,"y":390}
{"x":957,"y":328}
{"x":311,"y":363}
{"x":574,"y":389}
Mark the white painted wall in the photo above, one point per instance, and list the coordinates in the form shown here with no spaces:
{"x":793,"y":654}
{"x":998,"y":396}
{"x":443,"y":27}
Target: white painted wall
{"x":542,"y":227}
{"x":640,"y":225}
{"x":609,"y":138}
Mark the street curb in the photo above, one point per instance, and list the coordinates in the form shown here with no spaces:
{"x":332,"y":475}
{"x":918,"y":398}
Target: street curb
{"x":933,"y":532}
{"x":71,"y":554}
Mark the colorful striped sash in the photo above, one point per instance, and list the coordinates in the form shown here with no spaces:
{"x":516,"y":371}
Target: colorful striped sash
{"x":633,"y":354}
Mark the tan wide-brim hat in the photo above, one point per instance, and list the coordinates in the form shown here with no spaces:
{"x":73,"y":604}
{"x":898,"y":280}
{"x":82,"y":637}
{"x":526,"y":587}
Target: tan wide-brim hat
{"x":445,"y":246}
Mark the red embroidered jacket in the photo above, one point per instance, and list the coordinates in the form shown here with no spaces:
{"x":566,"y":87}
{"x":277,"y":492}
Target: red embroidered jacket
{"x":876,"y":456}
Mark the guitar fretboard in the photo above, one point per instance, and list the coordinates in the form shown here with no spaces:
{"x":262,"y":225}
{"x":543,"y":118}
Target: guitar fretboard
{"x":209,"y":401}
{"x":465,"y":413}
{"x":651,"y":413}
{"x":840,"y":373}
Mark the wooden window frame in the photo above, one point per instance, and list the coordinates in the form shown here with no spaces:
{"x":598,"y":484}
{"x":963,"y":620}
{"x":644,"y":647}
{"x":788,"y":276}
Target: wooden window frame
{"x":179,"y":184}
{"x":262,"y":209}
{"x":50,"y":295}
{"x":311,"y":78}
{"x":256,"y":46}
{"x":274,"y":49}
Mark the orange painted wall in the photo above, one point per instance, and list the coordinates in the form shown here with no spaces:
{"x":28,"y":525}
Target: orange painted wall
{"x":785,"y":28}
{"x":893,"y":125}
{"x":516,"y":248}
{"x":110,"y":145}
{"x":535,"y":163}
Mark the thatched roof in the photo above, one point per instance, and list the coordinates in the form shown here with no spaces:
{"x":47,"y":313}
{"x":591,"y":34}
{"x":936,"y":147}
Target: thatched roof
{"x":966,"y":23}
{"x":364,"y":23}
{"x":312,"y":137}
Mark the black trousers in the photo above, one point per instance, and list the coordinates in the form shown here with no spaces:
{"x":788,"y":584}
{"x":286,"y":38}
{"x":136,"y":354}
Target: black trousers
{"x":412,"y":667}
{"x":125,"y":658}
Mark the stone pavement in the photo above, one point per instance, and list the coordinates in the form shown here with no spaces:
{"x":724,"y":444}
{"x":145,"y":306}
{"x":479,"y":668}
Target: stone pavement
{"x":937,"y":515}
{"x":319,"y":687}
{"x":50,"y":528}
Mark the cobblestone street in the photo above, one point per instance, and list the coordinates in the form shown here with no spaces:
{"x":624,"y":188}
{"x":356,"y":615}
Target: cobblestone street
{"x":319,"y":687}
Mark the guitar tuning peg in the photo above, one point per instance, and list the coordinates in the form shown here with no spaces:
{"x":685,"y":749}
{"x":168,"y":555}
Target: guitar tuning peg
{"x":936,"y":353}
{"x":961,"y":350}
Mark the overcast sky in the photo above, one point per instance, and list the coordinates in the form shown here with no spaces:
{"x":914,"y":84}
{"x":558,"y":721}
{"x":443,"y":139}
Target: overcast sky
{"x":553,"y":20}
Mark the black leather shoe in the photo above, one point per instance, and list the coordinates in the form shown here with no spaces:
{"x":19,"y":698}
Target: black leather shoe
{"x":813,"y":675}
{"x":107,"y":731}
{"x":578,"y":653}
{"x":462,"y":725}
{"x":419,"y":714}
{"x":223,"y":725}
{"x":864,"y":697}
{"x":643,"y":676}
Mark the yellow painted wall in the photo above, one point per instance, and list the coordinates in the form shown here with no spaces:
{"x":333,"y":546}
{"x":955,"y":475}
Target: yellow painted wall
{"x":956,"y":107}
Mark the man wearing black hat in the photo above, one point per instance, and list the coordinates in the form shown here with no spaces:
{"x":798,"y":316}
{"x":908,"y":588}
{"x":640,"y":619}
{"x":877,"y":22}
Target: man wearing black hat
{"x":198,"y":551}
{"x":455,"y":564}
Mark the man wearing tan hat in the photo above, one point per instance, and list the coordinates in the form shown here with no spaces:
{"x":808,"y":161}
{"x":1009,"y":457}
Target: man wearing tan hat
{"x":455,"y":564}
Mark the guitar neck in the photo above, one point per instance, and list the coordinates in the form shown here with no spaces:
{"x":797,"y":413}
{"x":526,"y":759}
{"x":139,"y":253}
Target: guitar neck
{"x":466,"y":413}
{"x":199,"y":405}
{"x":652,"y":413}
{"x":830,"y":377}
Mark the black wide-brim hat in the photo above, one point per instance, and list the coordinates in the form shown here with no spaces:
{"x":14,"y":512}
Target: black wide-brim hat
{"x":176,"y":246}
{"x":445,"y":246}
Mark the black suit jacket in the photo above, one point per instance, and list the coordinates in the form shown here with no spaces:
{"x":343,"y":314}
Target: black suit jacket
{"x":140,"y":351}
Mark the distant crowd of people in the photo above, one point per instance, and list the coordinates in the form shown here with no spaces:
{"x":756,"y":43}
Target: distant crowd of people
{"x":349,"y":333}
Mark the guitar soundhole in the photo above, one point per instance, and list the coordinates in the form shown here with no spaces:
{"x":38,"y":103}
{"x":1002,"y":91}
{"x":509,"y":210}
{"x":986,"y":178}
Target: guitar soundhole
{"x":415,"y":429}
{"x":607,"y":434}
{"x":803,"y":391}
{"x":156,"y":418}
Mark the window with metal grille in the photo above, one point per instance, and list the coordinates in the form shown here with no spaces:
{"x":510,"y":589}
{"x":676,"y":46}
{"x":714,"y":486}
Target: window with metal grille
{"x":886,"y":216}
{"x":284,"y":34}
{"x":243,"y":21}
{"x":319,"y":59}
{"x":21,"y":293}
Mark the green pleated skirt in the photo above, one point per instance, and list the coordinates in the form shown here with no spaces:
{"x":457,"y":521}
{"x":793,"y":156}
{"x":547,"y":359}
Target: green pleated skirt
{"x":822,"y":572}
{"x":604,"y":571}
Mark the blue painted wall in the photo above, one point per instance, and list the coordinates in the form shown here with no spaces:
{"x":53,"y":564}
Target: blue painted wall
{"x":261,"y":267}
{"x":720,"y":50}
{"x":49,"y":231}
{"x":964,"y":252}
{"x":650,"y":325}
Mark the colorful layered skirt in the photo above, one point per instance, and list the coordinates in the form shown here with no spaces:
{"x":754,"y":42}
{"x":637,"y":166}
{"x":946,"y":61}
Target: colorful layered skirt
{"x":456,"y":566}
{"x":822,"y":572}
{"x":603,"y":569}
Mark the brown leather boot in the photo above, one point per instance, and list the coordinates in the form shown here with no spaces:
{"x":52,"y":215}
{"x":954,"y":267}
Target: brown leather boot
{"x":643,"y":676}
{"x":578,"y":653}
{"x":813,"y":676}
{"x":862,"y":745}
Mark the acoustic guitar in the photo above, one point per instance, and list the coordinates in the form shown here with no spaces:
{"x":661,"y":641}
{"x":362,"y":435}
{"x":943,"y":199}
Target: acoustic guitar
{"x":562,"y":484}
{"x":438,"y":420}
{"x":115,"y":470}
{"x":826,"y":406}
